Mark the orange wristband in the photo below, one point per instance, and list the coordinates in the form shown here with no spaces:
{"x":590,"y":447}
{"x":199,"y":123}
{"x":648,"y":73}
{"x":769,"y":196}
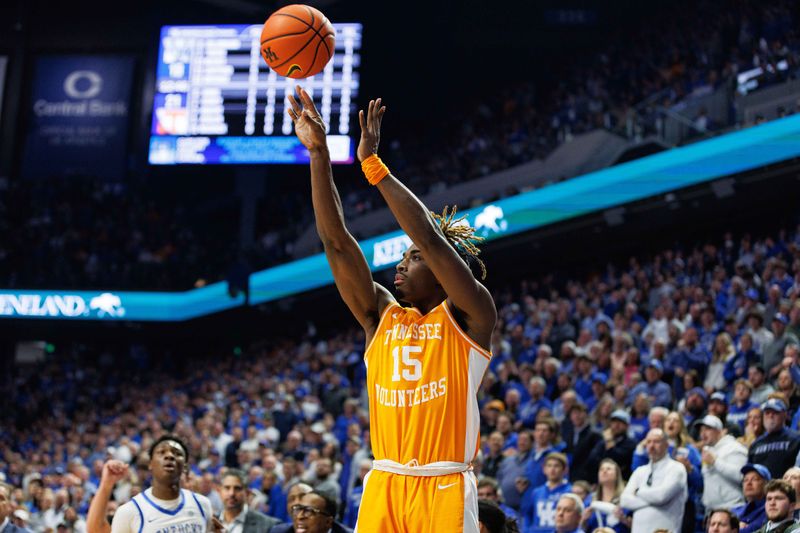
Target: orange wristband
{"x":374,"y":169}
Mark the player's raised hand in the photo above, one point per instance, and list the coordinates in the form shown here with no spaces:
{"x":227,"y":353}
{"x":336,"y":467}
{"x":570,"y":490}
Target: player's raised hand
{"x":308,"y":123}
{"x":113,"y":471}
{"x":370,"y":129}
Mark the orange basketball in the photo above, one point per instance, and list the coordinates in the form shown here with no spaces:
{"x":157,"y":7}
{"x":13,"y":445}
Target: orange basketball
{"x":297,"y":41}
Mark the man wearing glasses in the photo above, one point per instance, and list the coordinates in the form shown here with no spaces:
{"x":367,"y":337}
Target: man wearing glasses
{"x":656,"y":492}
{"x":316,"y":513}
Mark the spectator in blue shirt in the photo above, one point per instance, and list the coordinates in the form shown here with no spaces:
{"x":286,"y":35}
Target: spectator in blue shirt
{"x":539,"y":503}
{"x":741,"y":404}
{"x":514,"y":467}
{"x":659,"y":392}
{"x":752,"y":514}
{"x":689,"y":355}
{"x":527,"y":413}
{"x":583,"y":376}
{"x":546,"y":440}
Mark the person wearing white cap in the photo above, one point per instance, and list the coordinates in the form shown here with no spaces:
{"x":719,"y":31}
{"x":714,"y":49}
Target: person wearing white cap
{"x":6,"y":524}
{"x":657,"y":491}
{"x":723,"y":459}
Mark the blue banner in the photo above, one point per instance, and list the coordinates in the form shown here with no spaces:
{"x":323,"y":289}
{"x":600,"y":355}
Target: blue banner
{"x":78,"y":116}
{"x":675,"y":169}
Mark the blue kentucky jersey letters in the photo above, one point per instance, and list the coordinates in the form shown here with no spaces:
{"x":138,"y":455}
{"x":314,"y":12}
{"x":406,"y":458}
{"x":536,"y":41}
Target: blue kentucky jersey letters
{"x":539,"y":507}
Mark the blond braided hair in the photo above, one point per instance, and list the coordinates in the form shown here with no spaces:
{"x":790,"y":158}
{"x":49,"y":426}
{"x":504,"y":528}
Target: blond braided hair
{"x":461,"y":236}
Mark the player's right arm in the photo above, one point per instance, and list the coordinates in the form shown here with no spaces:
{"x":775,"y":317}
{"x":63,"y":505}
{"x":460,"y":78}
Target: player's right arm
{"x":96,"y":521}
{"x":365,"y":298}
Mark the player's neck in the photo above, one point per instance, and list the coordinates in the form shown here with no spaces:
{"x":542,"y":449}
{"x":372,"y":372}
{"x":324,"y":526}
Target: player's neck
{"x":166,"y":490}
{"x":426,"y":305}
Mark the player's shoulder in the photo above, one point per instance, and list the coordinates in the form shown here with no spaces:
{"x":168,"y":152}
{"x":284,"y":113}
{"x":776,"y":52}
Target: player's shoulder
{"x":200,"y":497}
{"x":203,"y":501}
{"x":127,"y":507}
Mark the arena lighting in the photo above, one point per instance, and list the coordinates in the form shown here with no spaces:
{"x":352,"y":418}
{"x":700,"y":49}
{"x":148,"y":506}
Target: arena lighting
{"x":606,"y":189}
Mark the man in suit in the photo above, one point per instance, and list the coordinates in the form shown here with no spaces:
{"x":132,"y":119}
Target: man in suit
{"x":6,"y":525}
{"x":236,"y":516}
{"x":311,"y":510}
{"x":580,"y":440}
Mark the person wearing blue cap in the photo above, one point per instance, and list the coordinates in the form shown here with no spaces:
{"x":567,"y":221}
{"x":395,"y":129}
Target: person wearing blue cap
{"x":752,"y":514}
{"x":616,"y":444}
{"x":584,"y":370}
{"x":778,"y":447}
{"x":659,"y":392}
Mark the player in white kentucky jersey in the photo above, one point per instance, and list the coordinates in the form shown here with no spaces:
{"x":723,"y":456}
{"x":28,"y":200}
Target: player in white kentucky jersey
{"x":165,"y":507}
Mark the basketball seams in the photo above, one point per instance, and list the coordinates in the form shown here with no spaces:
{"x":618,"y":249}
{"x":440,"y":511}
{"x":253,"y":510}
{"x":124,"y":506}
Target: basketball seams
{"x":284,"y":35}
{"x":296,"y":53}
{"x":302,"y":50}
{"x":323,"y":37}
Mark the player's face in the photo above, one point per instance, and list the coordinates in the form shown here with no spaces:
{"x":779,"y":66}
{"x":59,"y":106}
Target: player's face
{"x":413,"y":279}
{"x":168,"y":461}
{"x":233,"y":493}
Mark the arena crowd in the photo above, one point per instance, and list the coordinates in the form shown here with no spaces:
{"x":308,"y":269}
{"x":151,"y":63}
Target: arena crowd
{"x":655,"y":392}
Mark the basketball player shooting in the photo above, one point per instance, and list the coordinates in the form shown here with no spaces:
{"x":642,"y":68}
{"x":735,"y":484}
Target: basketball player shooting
{"x":425,"y":361}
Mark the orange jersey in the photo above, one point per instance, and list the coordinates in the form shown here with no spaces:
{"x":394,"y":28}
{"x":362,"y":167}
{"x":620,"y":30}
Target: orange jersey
{"x":423,"y":374}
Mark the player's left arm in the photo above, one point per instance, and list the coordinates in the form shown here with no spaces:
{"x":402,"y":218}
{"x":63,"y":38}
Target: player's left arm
{"x":468,"y":295}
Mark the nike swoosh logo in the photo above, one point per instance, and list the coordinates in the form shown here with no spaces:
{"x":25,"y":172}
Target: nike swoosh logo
{"x":442,"y":487}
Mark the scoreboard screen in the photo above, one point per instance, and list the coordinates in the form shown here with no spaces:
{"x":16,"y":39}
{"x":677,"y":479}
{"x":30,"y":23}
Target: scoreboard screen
{"x":217,"y":102}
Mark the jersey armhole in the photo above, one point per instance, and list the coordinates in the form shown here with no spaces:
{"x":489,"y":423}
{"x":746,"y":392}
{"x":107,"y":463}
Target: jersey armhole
{"x":141,"y":515}
{"x":483,"y":351}
{"x":389,"y":307}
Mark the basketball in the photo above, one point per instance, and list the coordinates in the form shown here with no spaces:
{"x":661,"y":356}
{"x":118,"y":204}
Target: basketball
{"x":297,"y":41}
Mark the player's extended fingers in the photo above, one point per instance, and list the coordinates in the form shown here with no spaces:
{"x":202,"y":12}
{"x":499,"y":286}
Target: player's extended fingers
{"x":295,"y":109}
{"x":370,"y":110}
{"x":308,"y":102}
{"x":361,"y":120}
{"x":379,"y":117}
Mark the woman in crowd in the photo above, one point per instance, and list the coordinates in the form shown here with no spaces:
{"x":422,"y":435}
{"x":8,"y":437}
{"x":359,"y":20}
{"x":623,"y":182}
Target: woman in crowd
{"x":604,"y":509}
{"x":683,"y":450}
{"x":754,"y":426}
{"x":723,"y":352}
{"x":793,"y":477}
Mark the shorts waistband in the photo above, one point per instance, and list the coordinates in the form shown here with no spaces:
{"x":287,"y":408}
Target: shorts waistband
{"x":413,"y":468}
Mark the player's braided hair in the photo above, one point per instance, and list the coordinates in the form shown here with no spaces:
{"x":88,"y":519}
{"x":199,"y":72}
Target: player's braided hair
{"x":461,"y":236}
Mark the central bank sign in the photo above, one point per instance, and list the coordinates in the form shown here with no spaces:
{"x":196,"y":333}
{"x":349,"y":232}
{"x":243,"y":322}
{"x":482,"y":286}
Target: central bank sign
{"x":105,"y":305}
